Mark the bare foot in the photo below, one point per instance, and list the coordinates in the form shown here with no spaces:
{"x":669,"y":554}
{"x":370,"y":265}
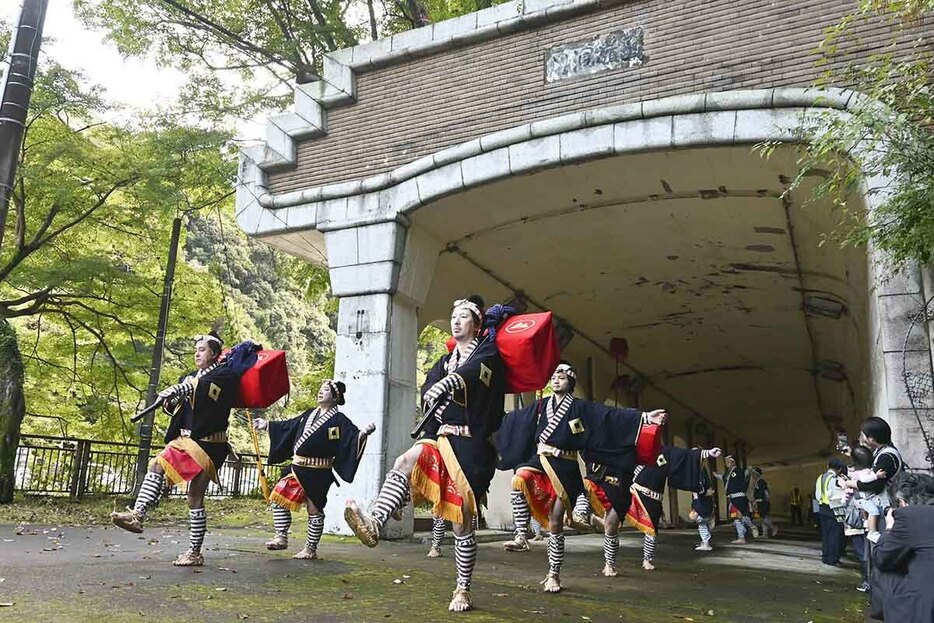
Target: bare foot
{"x":189,"y":559}
{"x":306,"y":554}
{"x":552,"y":583}
{"x":434,"y":552}
{"x":363,"y":526}
{"x":648,"y":566}
{"x":461,"y":601}
{"x":277,"y":542}
{"x":610,"y":572}
{"x":128,"y":520}
{"x":518,"y":544}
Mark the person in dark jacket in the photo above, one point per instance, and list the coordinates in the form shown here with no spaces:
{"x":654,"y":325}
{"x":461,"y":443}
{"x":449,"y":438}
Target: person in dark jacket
{"x":904,"y":554}
{"x":321,"y":442}
{"x":452,"y":464}
{"x":876,"y":435}
{"x":796,"y":519}
{"x":196,"y":442}
{"x":830,"y":497}
{"x":680,"y":469}
{"x":763,"y":504}
{"x":543,"y":441}
{"x":736,"y":484}
{"x":703,"y":510}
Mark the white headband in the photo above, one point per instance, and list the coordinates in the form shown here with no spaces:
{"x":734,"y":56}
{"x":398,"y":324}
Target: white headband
{"x":208,"y":338}
{"x":469,"y":305}
{"x":563,"y":367}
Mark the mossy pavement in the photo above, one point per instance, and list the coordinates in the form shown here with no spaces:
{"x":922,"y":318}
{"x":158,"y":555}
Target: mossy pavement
{"x":93,"y":573}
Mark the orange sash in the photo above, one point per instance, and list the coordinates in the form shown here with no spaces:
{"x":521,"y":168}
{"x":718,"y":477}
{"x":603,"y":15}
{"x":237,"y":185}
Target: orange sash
{"x":433,"y":483}
{"x":638,"y":517}
{"x":288,"y":493}
{"x":536,"y":486}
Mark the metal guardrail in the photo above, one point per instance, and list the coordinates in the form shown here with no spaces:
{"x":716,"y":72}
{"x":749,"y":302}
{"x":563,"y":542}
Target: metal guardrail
{"x":77,"y":467}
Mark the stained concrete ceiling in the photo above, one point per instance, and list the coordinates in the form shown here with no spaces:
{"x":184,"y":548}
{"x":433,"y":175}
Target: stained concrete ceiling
{"x":693,"y":257}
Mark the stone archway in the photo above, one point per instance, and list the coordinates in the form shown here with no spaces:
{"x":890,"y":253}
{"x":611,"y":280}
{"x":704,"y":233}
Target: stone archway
{"x":515,"y":211}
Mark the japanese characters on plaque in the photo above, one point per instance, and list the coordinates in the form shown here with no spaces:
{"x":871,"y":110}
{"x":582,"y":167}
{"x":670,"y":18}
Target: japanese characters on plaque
{"x":615,"y":50}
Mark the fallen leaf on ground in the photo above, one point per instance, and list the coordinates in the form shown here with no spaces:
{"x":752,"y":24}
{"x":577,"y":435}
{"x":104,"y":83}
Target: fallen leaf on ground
{"x":5,"y":604}
{"x":347,"y":596}
{"x":220,"y":588}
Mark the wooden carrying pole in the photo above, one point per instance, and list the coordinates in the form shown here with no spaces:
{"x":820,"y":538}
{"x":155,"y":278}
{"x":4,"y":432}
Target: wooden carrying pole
{"x":260,"y":469}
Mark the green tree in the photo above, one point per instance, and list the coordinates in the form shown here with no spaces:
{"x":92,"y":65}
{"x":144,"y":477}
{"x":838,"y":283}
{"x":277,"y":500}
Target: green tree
{"x":82,"y":262}
{"x":244,"y":56}
{"x":887,"y":134}
{"x":272,"y":298}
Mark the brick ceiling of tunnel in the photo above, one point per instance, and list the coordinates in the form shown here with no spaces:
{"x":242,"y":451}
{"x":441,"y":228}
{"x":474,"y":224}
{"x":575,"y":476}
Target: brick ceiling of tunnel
{"x":689,"y":256}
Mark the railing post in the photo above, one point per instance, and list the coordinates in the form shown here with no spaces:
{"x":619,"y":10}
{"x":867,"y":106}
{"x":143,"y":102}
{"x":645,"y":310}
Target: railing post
{"x":84,"y":456}
{"x":238,"y":472}
{"x":75,"y":470}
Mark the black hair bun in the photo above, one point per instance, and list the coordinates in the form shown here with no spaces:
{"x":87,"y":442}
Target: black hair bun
{"x":477,"y":300}
{"x":341,"y":387}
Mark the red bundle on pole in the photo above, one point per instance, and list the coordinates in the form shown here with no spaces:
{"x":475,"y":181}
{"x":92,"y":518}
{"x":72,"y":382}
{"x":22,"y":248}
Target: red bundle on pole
{"x":649,"y":444}
{"x":529,"y":348}
{"x":265,"y":382}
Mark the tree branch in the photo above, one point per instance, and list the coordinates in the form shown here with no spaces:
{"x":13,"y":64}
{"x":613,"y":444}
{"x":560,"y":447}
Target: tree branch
{"x":226,"y":33}
{"x":374,"y":33}
{"x":323,"y":22}
{"x":36,"y":300}
{"x":38,"y":241}
{"x":286,"y":33}
{"x":101,"y":343}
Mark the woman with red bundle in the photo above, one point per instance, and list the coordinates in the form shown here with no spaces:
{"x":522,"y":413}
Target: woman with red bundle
{"x":452,"y":464}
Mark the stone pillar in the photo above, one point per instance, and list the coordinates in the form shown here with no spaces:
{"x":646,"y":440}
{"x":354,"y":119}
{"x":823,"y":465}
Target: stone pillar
{"x":381,"y":274}
{"x":901,"y":353}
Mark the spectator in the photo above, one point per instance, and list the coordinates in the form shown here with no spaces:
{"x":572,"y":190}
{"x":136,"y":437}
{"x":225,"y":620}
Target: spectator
{"x":796,"y":507}
{"x":876,"y":435}
{"x":872,"y":503}
{"x":862,"y":510}
{"x":903,"y":557}
{"x":830,"y":496}
{"x":813,"y":507}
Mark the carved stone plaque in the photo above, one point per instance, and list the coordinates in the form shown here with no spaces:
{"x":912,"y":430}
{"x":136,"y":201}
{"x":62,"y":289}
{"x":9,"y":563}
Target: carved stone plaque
{"x":620,"y":48}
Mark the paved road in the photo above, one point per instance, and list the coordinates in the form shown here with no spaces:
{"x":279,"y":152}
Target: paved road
{"x":85,"y":574}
